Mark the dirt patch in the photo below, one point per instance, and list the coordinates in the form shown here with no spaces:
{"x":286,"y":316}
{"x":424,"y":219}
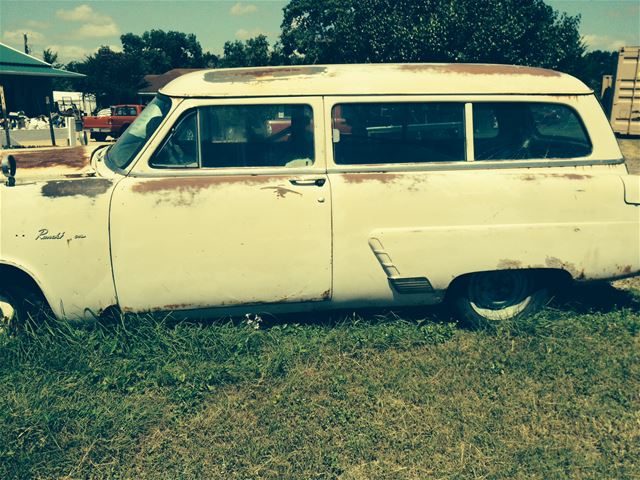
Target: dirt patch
{"x":281,"y":192}
{"x":177,"y":184}
{"x":249,"y":75}
{"x":89,"y":187}
{"x":631,"y":151}
{"x":381,"y":177}
{"x":75,"y":158}
{"x":481,"y":69}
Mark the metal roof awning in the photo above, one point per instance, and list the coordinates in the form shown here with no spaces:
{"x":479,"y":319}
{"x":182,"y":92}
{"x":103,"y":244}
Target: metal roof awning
{"x":33,"y":70}
{"x":14,"y":62}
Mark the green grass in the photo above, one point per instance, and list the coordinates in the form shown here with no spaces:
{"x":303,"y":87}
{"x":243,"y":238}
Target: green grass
{"x":557,"y":396}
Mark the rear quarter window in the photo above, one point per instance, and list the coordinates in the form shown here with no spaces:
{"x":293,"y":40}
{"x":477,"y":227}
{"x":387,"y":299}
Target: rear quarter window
{"x":519,"y":131}
{"x":383,"y":133}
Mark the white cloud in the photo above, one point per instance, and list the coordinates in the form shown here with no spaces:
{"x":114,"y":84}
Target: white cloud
{"x":97,"y":31}
{"x":16,"y":36}
{"x":243,"y":9}
{"x":36,"y":24}
{"x":243,"y":34}
{"x":83,"y":13}
{"x":95,"y":24}
{"x":66,"y":53}
{"x":602,"y":42}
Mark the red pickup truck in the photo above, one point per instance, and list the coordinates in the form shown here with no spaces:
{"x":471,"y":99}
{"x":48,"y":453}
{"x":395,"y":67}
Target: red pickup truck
{"x":99,"y":127}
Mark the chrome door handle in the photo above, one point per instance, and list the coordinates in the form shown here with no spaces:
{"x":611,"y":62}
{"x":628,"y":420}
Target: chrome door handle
{"x":317,"y":182}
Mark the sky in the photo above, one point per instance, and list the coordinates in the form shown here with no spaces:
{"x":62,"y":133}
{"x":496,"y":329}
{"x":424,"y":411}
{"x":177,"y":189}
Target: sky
{"x":74,"y":29}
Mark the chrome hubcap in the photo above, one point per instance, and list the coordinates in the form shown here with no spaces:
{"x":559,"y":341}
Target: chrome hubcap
{"x":500,"y":295}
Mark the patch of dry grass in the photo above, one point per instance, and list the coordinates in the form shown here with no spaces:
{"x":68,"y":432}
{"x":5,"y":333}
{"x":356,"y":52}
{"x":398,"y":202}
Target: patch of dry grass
{"x":557,"y":396}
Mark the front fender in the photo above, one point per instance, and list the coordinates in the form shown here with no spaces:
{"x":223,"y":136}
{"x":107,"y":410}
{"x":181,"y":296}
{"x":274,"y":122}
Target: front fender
{"x":57,"y":231}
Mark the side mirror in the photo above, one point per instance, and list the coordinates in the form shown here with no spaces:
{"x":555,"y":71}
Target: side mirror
{"x":9,"y":170}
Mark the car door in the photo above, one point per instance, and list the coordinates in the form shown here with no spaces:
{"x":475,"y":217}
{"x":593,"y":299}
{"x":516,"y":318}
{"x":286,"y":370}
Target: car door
{"x":228,"y":210}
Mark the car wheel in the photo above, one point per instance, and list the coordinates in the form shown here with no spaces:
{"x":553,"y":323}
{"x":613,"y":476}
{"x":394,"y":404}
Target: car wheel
{"x":17,"y":307}
{"x":487,"y":298}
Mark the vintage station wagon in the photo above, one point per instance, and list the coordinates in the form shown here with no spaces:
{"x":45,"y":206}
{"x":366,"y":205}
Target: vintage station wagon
{"x":313,"y":187}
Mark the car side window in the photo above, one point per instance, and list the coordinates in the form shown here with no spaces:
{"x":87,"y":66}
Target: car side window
{"x":256,"y":136}
{"x":522,"y":131}
{"x":374,"y":133}
{"x":180,"y":148}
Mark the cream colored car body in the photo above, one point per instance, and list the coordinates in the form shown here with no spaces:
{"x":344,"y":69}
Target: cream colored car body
{"x":325,"y":235}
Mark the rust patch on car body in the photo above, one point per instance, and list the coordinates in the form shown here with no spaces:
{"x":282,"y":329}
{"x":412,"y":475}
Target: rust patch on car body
{"x":507,"y":264}
{"x":570,"y":98}
{"x":199,"y":183}
{"x":480,"y":69}
{"x":572,"y":176}
{"x":381,"y":177}
{"x":261,"y":74}
{"x":177,"y":306}
{"x":80,"y":175}
{"x":86,"y":187}
{"x":569,"y":176}
{"x":326,"y":295}
{"x":626,"y":270}
{"x":553,"y":262}
{"x":75,"y":158}
{"x":281,"y":192}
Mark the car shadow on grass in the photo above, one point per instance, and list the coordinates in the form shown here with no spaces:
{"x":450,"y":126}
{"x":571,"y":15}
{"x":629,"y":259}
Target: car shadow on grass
{"x":578,"y":298}
{"x":600,"y":297}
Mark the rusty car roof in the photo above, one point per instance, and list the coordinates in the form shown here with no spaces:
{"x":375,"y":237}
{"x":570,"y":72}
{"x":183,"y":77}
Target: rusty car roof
{"x":372,"y":79}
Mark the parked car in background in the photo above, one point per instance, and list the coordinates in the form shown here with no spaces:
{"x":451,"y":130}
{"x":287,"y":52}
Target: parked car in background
{"x":100,"y":127}
{"x":282,"y":189}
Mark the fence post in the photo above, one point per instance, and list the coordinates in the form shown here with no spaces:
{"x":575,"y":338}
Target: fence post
{"x":71,"y":131}
{"x":51,"y":132}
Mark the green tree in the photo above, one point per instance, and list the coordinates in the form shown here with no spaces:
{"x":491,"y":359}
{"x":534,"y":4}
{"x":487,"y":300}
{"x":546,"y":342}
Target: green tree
{"x":114,"y":77}
{"x":210,"y":60}
{"x":161,"y":51}
{"x":51,"y":58}
{"x":594,"y":65}
{"x":526,"y":32}
{"x":253,"y":52}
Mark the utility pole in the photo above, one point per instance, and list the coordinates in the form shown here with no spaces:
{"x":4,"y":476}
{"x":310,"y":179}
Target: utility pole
{"x":27,"y":50}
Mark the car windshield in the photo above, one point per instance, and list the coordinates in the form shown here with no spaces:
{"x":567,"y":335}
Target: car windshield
{"x":133,"y":139}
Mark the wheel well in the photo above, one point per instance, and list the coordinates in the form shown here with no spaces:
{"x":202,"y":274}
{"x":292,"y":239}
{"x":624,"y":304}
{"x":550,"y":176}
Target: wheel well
{"x":13,"y":276}
{"x":553,"y":277}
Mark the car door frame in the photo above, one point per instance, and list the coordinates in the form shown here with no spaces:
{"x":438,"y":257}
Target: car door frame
{"x":302,"y":175}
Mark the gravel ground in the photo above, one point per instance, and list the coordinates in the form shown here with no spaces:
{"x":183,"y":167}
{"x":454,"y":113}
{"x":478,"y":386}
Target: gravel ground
{"x":631,"y":151}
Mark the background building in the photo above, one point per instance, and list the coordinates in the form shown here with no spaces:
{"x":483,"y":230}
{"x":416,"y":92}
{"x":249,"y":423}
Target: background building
{"x":27,"y":81}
